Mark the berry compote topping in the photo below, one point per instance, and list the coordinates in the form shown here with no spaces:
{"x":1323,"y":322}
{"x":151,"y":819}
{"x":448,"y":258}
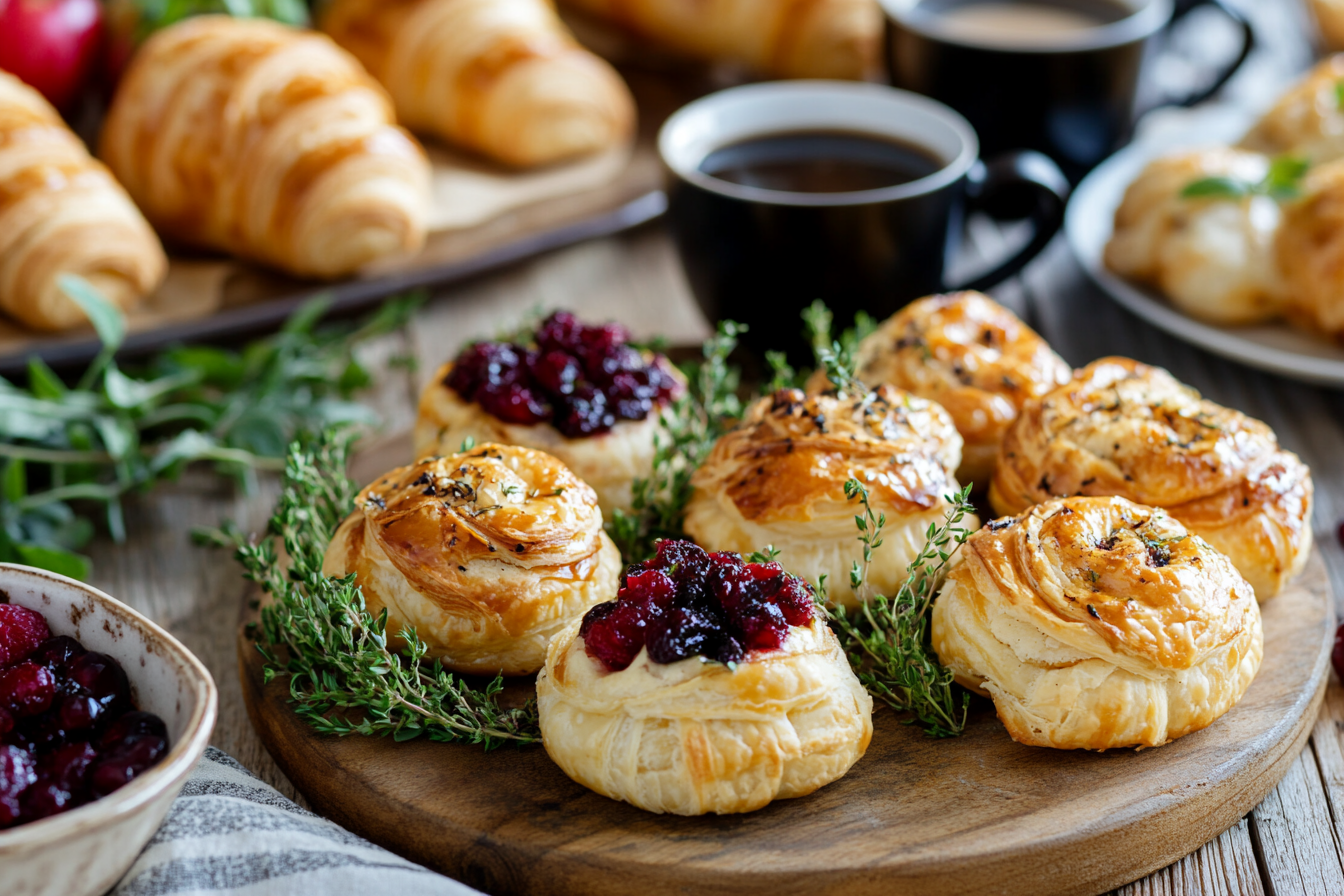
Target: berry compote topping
{"x":685,"y":602}
{"x":580,"y":379}
{"x":69,"y":733}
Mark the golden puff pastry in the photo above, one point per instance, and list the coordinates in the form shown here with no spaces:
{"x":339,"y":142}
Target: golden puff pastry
{"x":501,"y":77}
{"x":1127,"y":429}
{"x":1096,"y":623}
{"x":1213,"y":257}
{"x":693,"y":737}
{"x":973,"y":357}
{"x":268,"y":142}
{"x":487,"y":554}
{"x":61,"y":212}
{"x":784,"y":38}
{"x":1307,"y":121}
{"x":1329,"y":16}
{"x":1311,"y":253}
{"x":779,"y":479}
{"x":609,"y":461}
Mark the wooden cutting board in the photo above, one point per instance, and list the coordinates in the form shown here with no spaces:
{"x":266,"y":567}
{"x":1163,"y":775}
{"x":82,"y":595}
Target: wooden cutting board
{"x":975,"y":814}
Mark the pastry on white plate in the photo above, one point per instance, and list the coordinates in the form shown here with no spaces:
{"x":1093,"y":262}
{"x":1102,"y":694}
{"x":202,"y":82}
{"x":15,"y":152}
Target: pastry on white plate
{"x":487,"y":554}
{"x":708,"y":685}
{"x":969,"y":354}
{"x":779,"y":477}
{"x":1096,"y":623}
{"x":581,"y":393}
{"x":1307,"y":121}
{"x":1210,"y":252}
{"x":1311,"y":253}
{"x":1124,"y":428}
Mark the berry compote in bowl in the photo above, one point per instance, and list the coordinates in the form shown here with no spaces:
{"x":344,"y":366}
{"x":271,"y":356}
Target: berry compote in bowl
{"x":103,"y":715}
{"x":711,"y":684}
{"x":580,"y":392}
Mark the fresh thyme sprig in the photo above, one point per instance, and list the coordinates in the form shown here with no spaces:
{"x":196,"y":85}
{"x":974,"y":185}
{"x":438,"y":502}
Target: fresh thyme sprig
{"x":337,"y":655}
{"x":70,"y":452}
{"x":887,"y":640}
{"x":1282,"y":181}
{"x":691,"y":425}
{"x":837,"y":356}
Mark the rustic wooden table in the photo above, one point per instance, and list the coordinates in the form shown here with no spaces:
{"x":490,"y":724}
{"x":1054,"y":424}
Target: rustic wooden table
{"x":1292,"y":843}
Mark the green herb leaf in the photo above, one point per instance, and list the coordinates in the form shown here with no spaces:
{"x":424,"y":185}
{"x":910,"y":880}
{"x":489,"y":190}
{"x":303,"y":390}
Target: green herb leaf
{"x":57,"y":560}
{"x":1216,"y":188}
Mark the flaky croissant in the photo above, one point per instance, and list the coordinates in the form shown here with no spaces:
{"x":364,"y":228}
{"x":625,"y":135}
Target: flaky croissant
{"x":267,"y":142}
{"x":785,"y":38}
{"x":1096,"y":623}
{"x":501,"y":77}
{"x":1307,"y":120}
{"x":1212,"y":256}
{"x":969,"y":354}
{"x":61,"y":212}
{"x":1127,"y":429}
{"x":487,"y":554}
{"x":779,"y":479}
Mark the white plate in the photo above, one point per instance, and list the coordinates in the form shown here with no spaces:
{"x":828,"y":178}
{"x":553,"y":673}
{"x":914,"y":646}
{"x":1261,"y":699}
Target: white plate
{"x":1275,"y":347}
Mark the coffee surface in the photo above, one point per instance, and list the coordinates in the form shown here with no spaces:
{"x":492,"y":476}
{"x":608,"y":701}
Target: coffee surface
{"x":1012,"y":23}
{"x":820,"y":162}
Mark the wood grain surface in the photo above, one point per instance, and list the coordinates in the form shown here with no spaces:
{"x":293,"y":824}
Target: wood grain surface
{"x":914,"y":816}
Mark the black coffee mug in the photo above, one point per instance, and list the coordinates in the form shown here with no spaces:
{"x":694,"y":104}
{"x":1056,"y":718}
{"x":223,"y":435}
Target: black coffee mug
{"x":1070,"y":94}
{"x":760,"y":256}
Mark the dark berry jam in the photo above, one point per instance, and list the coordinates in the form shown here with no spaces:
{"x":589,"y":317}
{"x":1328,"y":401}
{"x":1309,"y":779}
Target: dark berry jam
{"x":685,"y":602}
{"x":580,"y":379}
{"x":69,"y":732}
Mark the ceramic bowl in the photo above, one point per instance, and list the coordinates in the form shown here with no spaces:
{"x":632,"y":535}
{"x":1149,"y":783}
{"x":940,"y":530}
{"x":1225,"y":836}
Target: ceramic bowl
{"x":86,"y":851}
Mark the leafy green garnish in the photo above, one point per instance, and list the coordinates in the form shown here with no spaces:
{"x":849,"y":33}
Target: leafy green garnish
{"x":156,"y":14}
{"x":887,"y":639}
{"x":337,"y":655}
{"x":1339,"y":94}
{"x":1282,"y":181}
{"x":68,"y":452}
{"x":691,"y":425}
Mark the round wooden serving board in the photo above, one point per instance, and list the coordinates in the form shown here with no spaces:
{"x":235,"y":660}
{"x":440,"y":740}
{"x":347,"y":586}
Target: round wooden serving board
{"x":973,"y":814}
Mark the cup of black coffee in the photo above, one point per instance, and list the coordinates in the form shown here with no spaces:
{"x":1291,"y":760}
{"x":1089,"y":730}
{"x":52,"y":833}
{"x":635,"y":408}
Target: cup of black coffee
{"x":1058,"y":76}
{"x":787,"y":192}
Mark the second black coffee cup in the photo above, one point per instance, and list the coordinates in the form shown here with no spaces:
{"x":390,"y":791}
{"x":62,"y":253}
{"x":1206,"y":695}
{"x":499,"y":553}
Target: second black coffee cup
{"x":787,"y":192}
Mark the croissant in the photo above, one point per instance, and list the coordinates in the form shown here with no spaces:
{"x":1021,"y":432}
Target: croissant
{"x":61,"y":212}
{"x":501,"y":77}
{"x":779,"y":479}
{"x":970,"y":355}
{"x":1127,"y":429}
{"x":784,"y":38}
{"x":708,"y":685}
{"x":267,"y":142}
{"x":1310,"y":248}
{"x":1096,"y":623}
{"x":486,"y":554}
{"x":1307,"y":120}
{"x":1213,"y":257}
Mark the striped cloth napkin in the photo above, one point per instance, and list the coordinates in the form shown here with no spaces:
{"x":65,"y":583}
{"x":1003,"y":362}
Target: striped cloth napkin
{"x":231,"y":834}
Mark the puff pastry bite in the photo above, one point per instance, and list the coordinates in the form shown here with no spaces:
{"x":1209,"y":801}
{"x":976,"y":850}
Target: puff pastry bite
{"x":1311,"y":252}
{"x":487,"y":554}
{"x":1096,"y":623}
{"x":1307,"y":120}
{"x":969,"y":354}
{"x":708,"y":685}
{"x":779,"y":478}
{"x":580,"y":393}
{"x":61,"y":212}
{"x":269,"y":142}
{"x":1127,"y":429}
{"x":1213,"y":257}
{"x":501,"y":77}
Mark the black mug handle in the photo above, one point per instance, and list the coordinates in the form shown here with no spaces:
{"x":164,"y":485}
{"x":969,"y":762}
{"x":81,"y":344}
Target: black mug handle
{"x":1017,"y":184}
{"x":1247,"y":45}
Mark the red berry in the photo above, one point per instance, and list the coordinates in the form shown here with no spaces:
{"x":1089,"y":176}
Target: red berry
{"x":62,"y":781}
{"x":21,"y":632}
{"x":1340,"y":533}
{"x":18,"y":772}
{"x":56,"y":653}
{"x":1337,"y":654}
{"x":27,"y":689}
{"x":100,"y":676}
{"x":613,"y":634}
{"x":125,"y":763}
{"x":6,"y":721}
{"x":133,"y":724}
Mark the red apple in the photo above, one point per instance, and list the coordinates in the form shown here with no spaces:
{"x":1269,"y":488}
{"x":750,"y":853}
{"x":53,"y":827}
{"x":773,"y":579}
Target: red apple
{"x":51,"y":44}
